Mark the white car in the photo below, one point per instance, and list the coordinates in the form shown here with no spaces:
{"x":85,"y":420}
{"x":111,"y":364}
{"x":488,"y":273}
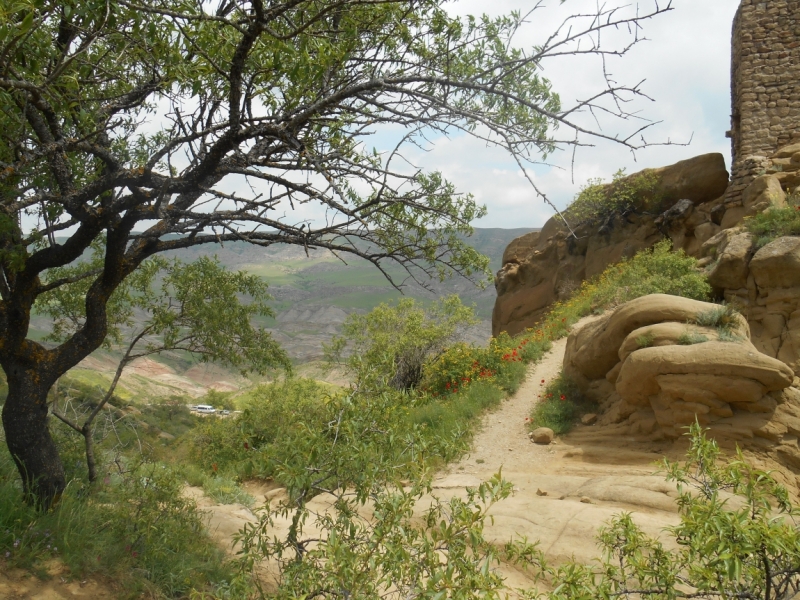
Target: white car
{"x":206,"y":409}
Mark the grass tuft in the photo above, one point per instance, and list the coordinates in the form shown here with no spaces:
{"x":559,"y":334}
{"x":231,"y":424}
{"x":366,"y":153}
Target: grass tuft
{"x":721,"y":317}
{"x":560,"y":407}
{"x":690,"y":338}
{"x":769,"y":225}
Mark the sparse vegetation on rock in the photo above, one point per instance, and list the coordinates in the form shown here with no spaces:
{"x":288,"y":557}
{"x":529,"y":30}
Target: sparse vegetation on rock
{"x":597,"y":201}
{"x":737,"y":538}
{"x":771,"y":224}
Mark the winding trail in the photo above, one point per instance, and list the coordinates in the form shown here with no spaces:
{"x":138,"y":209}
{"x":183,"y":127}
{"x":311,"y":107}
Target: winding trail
{"x":563,"y":492}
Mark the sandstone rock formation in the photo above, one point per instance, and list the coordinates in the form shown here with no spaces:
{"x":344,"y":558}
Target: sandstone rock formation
{"x":657,"y":363}
{"x":764,"y":284}
{"x":542,"y":267}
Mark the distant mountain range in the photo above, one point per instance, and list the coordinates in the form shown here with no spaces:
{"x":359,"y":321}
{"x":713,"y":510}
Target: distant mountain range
{"x":314,"y":294}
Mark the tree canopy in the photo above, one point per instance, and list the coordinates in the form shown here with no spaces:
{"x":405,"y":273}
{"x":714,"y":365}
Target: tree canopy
{"x":154,"y":125}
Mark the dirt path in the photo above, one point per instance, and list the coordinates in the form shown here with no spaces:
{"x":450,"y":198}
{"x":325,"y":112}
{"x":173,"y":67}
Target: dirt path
{"x":563,"y":492}
{"x":19,"y":584}
{"x":502,"y":440}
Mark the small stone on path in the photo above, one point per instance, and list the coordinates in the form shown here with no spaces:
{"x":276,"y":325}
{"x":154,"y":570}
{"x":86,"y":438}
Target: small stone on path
{"x":542,"y":435}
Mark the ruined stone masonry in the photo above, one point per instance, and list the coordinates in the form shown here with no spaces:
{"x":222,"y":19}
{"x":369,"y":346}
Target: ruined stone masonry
{"x":765,"y":87}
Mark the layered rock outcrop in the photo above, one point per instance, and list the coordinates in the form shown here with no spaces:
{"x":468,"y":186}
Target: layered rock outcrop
{"x":542,"y":267}
{"x":657,"y":363}
{"x":764,"y":284}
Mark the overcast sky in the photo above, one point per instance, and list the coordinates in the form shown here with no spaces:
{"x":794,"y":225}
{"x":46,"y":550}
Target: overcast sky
{"x":686,"y":64}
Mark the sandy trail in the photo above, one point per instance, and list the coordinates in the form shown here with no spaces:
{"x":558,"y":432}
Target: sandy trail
{"x":563,"y":492}
{"x":502,"y":440}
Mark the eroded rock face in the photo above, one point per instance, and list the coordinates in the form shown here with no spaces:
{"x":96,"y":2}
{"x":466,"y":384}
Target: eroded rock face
{"x":764,"y":284}
{"x":544,"y":267}
{"x":663,"y":371}
{"x":539,"y":269}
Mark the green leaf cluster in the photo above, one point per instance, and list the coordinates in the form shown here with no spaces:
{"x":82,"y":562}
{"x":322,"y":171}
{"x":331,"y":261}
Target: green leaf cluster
{"x":737,"y":538}
{"x":198,"y":307}
{"x":598,"y":201}
{"x":390,"y":345}
{"x":391,"y":549}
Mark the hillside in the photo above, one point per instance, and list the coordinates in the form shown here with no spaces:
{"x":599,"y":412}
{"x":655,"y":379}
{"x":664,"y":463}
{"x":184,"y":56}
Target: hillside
{"x":312,"y":297}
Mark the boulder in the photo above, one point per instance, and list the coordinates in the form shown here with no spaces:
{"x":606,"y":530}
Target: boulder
{"x":520,"y":247}
{"x":731,"y":372}
{"x":787,"y":151}
{"x":777,"y":265}
{"x":705,"y":231}
{"x":788,"y":179}
{"x":699,"y":179}
{"x":544,"y":267}
{"x":733,"y":216}
{"x":542,"y":435}
{"x":730,"y":269}
{"x":763,"y":193}
{"x":593,"y":350}
{"x":648,"y":364}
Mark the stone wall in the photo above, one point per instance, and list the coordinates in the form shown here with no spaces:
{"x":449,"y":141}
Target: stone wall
{"x":765,"y":87}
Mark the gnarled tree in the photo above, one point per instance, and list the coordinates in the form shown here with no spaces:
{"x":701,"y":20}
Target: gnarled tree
{"x":155,"y":125}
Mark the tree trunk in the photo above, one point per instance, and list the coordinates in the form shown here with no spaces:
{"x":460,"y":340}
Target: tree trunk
{"x":91,"y":466}
{"x":28,"y":437}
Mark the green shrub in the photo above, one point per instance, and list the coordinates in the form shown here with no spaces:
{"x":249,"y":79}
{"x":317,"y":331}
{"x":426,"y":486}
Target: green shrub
{"x":415,"y":546}
{"x":457,"y":367}
{"x":654,"y":271}
{"x":503,"y":362}
{"x":625,"y":194}
{"x":272,"y":411}
{"x":645,"y":341}
{"x":136,"y":530}
{"x":561,"y":405}
{"x":390,"y":345}
{"x":775,"y":222}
